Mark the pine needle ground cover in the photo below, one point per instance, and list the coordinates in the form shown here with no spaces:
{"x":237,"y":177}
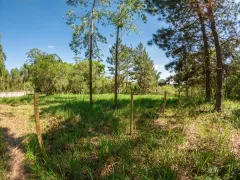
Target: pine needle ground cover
{"x":190,"y":141}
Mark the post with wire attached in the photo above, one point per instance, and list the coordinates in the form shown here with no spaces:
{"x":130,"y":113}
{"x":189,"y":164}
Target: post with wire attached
{"x":132,"y":115}
{"x":37,"y":119}
{"x":179,"y":97}
{"x":165,"y":102}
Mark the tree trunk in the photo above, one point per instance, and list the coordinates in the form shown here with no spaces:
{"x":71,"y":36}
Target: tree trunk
{"x":116,"y":62}
{"x":90,"y":55}
{"x":1,"y":84}
{"x":219,"y":86}
{"x":132,"y":115}
{"x":116,"y":69}
{"x":207,"y":57}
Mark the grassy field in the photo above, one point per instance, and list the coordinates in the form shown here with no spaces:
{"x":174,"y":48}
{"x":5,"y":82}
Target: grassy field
{"x":190,"y":141}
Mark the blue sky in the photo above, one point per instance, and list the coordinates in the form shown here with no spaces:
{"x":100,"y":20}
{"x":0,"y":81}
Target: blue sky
{"x":39,"y":24}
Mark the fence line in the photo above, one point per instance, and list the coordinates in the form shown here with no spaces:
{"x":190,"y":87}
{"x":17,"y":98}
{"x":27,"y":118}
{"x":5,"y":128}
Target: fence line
{"x":14,"y":94}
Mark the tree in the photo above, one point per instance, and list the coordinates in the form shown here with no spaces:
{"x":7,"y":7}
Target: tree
{"x":87,"y":34}
{"x":233,"y":79}
{"x":189,"y":17}
{"x":218,"y":56}
{"x":124,"y":18}
{"x":34,"y":55}
{"x":16,"y":80}
{"x":5,"y":80}
{"x":45,"y":71}
{"x":134,"y":65}
{"x":80,"y":77}
{"x":3,"y":58}
{"x":63,"y":77}
{"x":185,"y":39}
{"x":225,"y":13}
{"x":207,"y":67}
{"x":125,"y":63}
{"x":143,"y":70}
{"x":25,"y":74}
{"x":51,"y":75}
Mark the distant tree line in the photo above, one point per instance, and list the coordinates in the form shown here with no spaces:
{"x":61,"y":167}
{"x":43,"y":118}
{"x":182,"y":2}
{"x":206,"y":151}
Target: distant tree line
{"x":9,"y":80}
{"x":51,"y":75}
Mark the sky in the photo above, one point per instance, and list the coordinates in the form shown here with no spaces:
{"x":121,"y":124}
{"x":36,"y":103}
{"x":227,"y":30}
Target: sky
{"x":27,"y":24}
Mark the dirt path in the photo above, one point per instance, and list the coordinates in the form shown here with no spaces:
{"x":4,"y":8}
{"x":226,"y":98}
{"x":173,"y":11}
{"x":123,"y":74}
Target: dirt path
{"x":16,"y":125}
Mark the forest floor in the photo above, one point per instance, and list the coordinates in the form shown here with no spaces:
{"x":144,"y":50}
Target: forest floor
{"x":189,"y":141}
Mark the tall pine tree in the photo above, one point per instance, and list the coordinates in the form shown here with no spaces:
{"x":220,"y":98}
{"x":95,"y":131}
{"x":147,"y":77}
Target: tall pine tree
{"x":125,"y":64}
{"x":188,"y":35}
{"x":144,"y":72}
{"x":86,"y":35}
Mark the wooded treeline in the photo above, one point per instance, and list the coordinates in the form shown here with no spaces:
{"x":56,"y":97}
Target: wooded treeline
{"x":200,"y":37}
{"x":51,"y":75}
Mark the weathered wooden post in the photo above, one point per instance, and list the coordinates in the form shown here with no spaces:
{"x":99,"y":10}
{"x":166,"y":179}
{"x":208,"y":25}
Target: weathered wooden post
{"x":132,"y":117}
{"x":179,"y":97}
{"x":165,"y":102}
{"x":37,"y":119}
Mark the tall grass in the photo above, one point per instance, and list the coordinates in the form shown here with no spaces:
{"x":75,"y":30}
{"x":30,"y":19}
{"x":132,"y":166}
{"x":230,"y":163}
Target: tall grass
{"x":190,"y":141}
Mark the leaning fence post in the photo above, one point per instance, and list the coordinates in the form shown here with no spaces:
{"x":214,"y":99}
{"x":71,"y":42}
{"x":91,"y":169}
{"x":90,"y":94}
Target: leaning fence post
{"x":165,"y":102}
{"x":132,"y":117}
{"x":37,"y":119}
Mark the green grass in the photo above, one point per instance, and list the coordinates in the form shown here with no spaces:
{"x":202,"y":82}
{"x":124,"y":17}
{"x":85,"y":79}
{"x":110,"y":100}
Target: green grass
{"x":18,"y":100}
{"x":83,"y":142}
{"x":3,"y":154}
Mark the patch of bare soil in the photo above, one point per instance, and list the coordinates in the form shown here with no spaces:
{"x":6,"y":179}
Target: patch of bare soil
{"x":16,"y":123}
{"x":236,"y":144}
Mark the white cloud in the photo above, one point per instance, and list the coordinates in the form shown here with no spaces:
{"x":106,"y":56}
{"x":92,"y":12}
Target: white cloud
{"x":158,"y":67}
{"x":164,"y":72}
{"x":106,"y":68}
{"x":51,"y":47}
{"x":109,"y":45}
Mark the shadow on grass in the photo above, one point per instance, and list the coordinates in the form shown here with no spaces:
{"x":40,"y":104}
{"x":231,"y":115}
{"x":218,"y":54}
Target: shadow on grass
{"x":235,"y":118}
{"x":4,"y":153}
{"x":92,"y":142}
{"x":97,"y":157}
{"x":8,"y":146}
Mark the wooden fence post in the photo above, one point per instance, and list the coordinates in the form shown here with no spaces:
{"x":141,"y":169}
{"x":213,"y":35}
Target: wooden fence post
{"x":165,"y":102}
{"x":179,"y":97}
{"x":187,"y":92}
{"x":37,"y":119}
{"x":132,"y":117}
